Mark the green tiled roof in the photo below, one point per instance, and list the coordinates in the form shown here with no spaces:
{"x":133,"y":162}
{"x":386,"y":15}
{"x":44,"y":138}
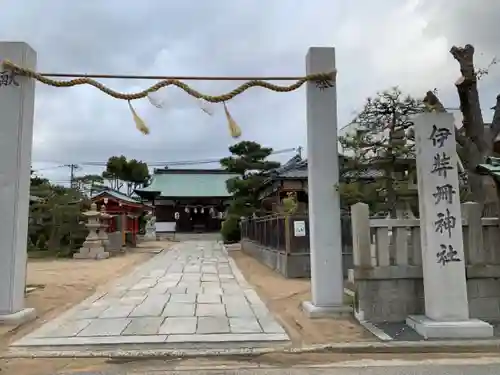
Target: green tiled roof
{"x":119,"y":195}
{"x":189,"y":184}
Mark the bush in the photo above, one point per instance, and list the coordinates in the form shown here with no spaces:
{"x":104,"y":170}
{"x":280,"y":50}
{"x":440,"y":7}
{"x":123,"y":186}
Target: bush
{"x":230,"y":230}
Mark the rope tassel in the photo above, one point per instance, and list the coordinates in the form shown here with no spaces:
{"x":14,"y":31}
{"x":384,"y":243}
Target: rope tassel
{"x":234,"y":129}
{"x":139,"y":122}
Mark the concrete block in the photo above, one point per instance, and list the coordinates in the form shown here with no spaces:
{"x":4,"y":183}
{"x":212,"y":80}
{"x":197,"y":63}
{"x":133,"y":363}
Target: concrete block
{"x":431,"y":329}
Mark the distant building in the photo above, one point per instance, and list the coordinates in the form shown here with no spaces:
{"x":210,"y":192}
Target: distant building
{"x":188,"y":200}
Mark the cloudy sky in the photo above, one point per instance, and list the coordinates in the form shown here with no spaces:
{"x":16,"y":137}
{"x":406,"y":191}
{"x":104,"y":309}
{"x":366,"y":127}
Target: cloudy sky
{"x":379,"y":44}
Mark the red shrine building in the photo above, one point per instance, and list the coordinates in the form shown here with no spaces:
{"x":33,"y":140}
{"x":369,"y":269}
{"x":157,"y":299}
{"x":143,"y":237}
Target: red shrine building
{"x":125,"y":211}
{"x":187,"y":200}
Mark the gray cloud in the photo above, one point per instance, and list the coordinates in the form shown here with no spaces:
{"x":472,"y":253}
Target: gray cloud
{"x":379,"y":44}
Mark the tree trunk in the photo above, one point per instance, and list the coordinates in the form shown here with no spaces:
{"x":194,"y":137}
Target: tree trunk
{"x":474,"y":140}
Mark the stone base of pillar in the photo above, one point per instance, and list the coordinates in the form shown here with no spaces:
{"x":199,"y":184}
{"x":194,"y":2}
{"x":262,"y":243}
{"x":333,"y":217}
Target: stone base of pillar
{"x":432,"y":329}
{"x":18,"y":318}
{"x":317,"y":312}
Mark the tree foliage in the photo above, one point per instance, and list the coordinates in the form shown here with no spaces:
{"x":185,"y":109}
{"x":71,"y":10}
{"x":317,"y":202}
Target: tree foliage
{"x":248,"y":160}
{"x":383,"y":141}
{"x":55,"y":220}
{"x":89,"y":184}
{"x":131,"y":173}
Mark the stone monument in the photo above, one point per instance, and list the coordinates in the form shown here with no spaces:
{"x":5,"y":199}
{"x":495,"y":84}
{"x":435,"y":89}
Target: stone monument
{"x":443,"y":263}
{"x":150,"y":234}
{"x":92,"y":247}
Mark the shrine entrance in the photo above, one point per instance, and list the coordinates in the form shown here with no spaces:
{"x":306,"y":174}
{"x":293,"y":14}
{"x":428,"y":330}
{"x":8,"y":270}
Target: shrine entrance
{"x":17,"y":97}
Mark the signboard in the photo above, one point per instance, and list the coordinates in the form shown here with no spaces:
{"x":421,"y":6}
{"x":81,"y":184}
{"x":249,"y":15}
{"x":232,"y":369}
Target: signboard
{"x":299,"y":228}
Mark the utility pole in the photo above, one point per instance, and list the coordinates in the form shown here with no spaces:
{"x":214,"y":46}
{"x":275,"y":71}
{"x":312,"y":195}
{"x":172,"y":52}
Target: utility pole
{"x":72,"y":169}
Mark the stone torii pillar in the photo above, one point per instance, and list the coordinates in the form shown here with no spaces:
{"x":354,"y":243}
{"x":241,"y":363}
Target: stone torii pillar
{"x":327,"y":282}
{"x":17,"y":100}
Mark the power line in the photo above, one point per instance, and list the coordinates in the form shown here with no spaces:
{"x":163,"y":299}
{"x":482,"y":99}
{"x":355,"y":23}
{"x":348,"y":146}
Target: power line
{"x":169,"y":163}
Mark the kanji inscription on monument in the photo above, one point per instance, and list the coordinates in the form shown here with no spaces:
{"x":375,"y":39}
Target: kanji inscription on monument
{"x":440,"y":218}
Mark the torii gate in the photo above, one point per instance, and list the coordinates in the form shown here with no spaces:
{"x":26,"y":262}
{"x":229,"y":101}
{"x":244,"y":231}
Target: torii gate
{"x":17,"y":98}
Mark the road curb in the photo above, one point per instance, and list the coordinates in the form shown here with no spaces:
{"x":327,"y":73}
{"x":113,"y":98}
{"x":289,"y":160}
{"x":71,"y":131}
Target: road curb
{"x":402,"y":347}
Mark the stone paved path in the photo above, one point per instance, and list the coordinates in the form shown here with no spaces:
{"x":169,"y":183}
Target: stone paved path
{"x":192,"y":295}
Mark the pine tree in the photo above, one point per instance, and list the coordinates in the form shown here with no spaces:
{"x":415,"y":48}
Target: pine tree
{"x":383,"y":141}
{"x":248,"y":160}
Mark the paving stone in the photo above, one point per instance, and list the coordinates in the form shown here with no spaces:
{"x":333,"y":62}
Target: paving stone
{"x":209,"y":269}
{"x":132,"y":300}
{"x":156,"y":273}
{"x":117,"y":311}
{"x":183,"y":298}
{"x":210,"y":324}
{"x":244,"y":325}
{"x":150,"y":307}
{"x":144,"y":283}
{"x":228,"y":337}
{"x":210,"y":309}
{"x":234,"y":299}
{"x":209,"y":298}
{"x":210,"y":284}
{"x":143,"y":326}
{"x":239,"y":310}
{"x":105,"y":327}
{"x":212,"y":290}
{"x":177,"y":290}
{"x":90,"y":313}
{"x":171,"y":276}
{"x":189,"y":285}
{"x":269,"y":325}
{"x":134,"y":293}
{"x":231,"y":289}
{"x":192,"y":293}
{"x":67,"y":329}
{"x":210,"y":277}
{"x":179,"y":309}
{"x":192,"y":269}
{"x":179,"y":325}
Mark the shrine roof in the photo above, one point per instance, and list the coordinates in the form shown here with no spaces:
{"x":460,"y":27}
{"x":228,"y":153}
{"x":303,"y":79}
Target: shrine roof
{"x":119,"y":196}
{"x":491,"y":167}
{"x":188,"y":183}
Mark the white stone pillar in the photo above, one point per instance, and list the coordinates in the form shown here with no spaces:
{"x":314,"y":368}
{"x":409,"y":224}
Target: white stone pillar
{"x":446,"y":304}
{"x":327,"y":287}
{"x":17,"y":98}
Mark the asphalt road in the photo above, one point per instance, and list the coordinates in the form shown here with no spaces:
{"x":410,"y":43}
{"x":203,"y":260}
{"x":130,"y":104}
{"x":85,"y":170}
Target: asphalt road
{"x":479,"y":366}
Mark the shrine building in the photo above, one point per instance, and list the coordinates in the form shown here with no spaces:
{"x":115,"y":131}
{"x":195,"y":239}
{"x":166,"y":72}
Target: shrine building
{"x":187,"y":200}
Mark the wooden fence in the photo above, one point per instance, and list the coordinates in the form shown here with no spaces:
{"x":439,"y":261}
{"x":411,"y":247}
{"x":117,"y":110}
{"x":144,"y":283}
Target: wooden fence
{"x":271,"y":240}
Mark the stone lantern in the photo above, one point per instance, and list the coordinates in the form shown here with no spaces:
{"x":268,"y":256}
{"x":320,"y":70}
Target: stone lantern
{"x":103,"y":235}
{"x":92,"y":247}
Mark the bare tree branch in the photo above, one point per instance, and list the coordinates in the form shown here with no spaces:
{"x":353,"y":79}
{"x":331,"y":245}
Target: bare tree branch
{"x":469,"y":97}
{"x":495,"y":124}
